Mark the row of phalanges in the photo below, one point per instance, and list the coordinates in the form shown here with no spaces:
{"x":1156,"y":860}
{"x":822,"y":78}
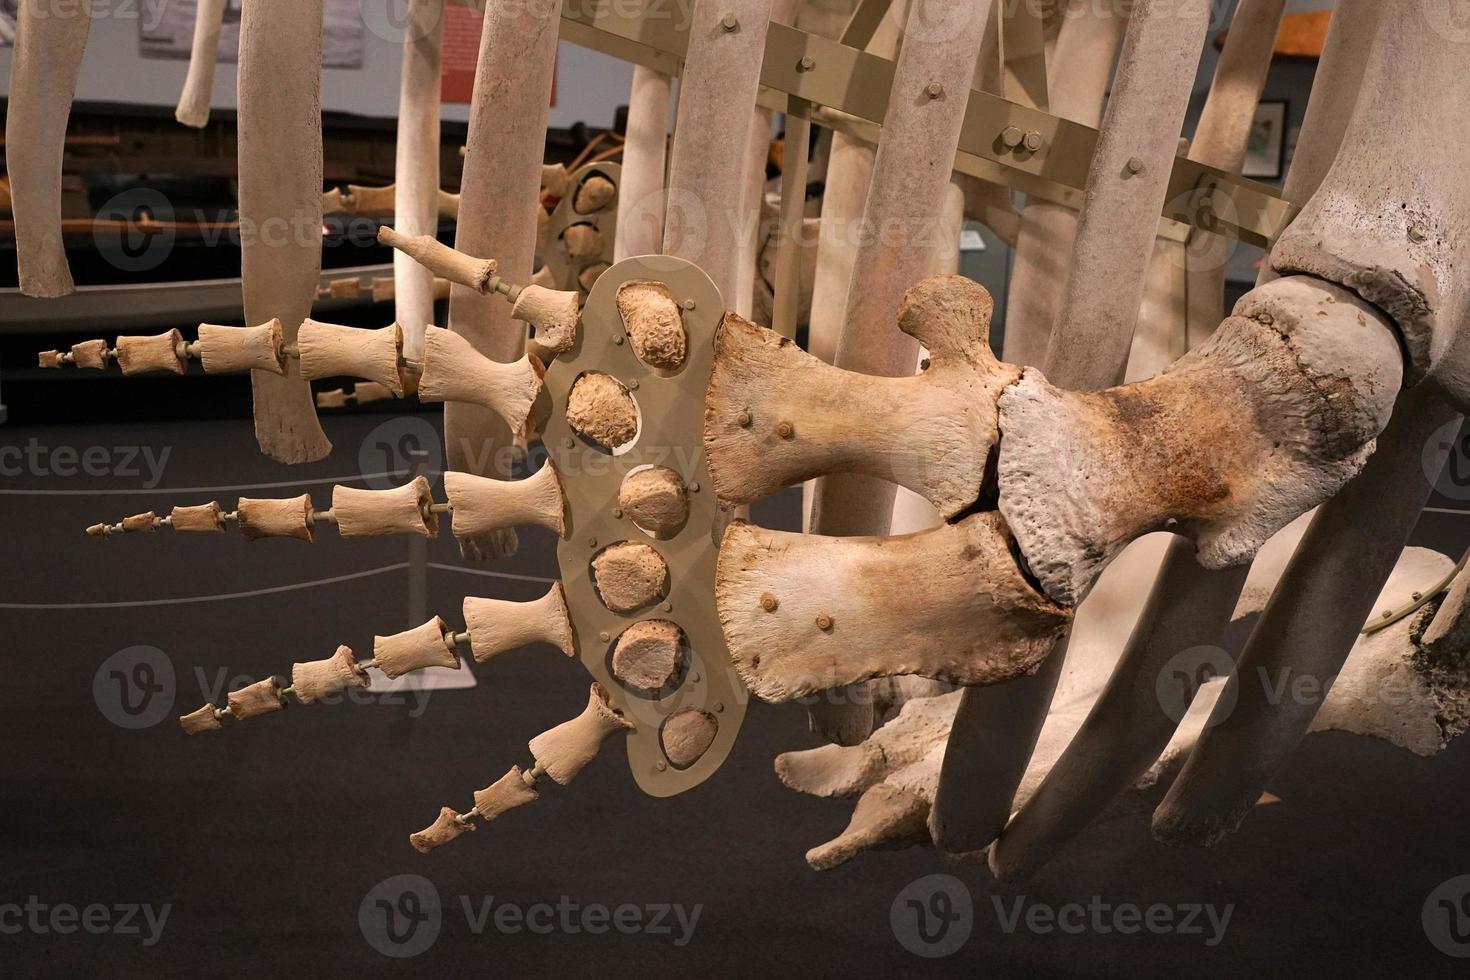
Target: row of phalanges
{"x":1040,"y":487}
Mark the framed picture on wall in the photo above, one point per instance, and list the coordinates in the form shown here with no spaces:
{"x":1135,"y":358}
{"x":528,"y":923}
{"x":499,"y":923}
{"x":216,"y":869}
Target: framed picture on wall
{"x":1265,"y":152}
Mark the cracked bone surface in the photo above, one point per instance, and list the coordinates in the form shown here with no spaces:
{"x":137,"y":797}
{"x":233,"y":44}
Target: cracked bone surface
{"x":1265,"y":421}
{"x":775,"y":415}
{"x":948,"y":603}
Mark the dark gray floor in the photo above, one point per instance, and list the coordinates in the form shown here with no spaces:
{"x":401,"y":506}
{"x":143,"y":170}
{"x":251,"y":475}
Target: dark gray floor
{"x":265,"y":842}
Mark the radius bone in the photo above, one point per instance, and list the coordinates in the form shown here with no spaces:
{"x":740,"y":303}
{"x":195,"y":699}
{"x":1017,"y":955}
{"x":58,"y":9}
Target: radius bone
{"x":775,"y":415}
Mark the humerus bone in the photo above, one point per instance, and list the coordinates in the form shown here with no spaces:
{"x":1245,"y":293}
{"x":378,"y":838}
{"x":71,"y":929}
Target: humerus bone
{"x":455,"y":372}
{"x":398,"y":510}
{"x":43,"y":78}
{"x":775,"y":416}
{"x":317,"y":679}
{"x":629,"y":575}
{"x":656,"y":500}
{"x":497,"y":625}
{"x":482,"y":504}
{"x":194,"y":101}
{"x":261,"y":518}
{"x":429,"y":645}
{"x":647,"y":654}
{"x":329,"y":350}
{"x":227,"y":349}
{"x":566,"y":749}
{"x":654,"y":322}
{"x":802,"y":613}
{"x":1265,"y":421}
{"x":600,"y":408}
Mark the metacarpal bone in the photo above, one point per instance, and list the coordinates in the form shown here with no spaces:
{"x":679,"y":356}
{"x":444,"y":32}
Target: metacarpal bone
{"x":455,"y":372}
{"x":566,"y":749}
{"x":482,"y":504}
{"x":1260,"y":424}
{"x":498,"y":625}
{"x":775,"y":415}
{"x":803,"y":613}
{"x":329,"y":350}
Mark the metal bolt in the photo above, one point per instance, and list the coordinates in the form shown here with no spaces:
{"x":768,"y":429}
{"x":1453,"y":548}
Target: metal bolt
{"x":592,"y":542}
{"x":1011,"y":136}
{"x":719,"y":707}
{"x":786,"y":430}
{"x":824,"y":622}
{"x":1418,"y":234}
{"x":604,"y":636}
{"x":1266,"y":319}
{"x":618,"y":340}
{"x":1135,"y":165}
{"x":689,"y":304}
{"x":807,"y":63}
{"x":668,"y":607}
{"x":743,"y":420}
{"x":934,"y":90}
{"x":769,"y":602}
{"x":694,"y":487}
{"x":730,"y":22}
{"x":633,"y":385}
{"x":568,"y":443}
{"x":1418,"y":596}
{"x":660,"y":765}
{"x":1033,"y":141}
{"x":617,"y":512}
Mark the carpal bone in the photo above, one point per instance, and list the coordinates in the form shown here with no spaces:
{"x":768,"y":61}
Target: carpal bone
{"x":429,"y":645}
{"x":498,"y":625}
{"x":600,"y":408}
{"x":482,"y":504}
{"x":398,"y":510}
{"x":565,"y":750}
{"x":775,"y":415}
{"x":329,"y":350}
{"x":654,"y":322}
{"x":803,"y":613}
{"x":455,"y":372}
{"x":656,"y":500}
{"x":647,"y":655}
{"x":43,"y":80}
{"x":1265,"y":421}
{"x":226,"y":349}
{"x":687,"y":735}
{"x":629,"y":575}
{"x":593,"y":195}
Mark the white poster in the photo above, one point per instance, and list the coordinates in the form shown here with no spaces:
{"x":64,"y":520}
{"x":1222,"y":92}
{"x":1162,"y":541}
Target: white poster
{"x":170,"y":34}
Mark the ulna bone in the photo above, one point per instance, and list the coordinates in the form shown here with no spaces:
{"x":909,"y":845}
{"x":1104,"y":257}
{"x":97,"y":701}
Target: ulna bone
{"x":803,"y":613}
{"x":1265,"y":421}
{"x":775,"y":415}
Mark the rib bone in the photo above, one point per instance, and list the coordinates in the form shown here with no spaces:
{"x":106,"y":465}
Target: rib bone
{"x":775,"y":415}
{"x":947,"y":603}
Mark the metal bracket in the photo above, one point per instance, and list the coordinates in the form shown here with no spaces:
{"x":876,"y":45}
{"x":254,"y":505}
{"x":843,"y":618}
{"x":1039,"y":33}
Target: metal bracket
{"x":671,"y":433}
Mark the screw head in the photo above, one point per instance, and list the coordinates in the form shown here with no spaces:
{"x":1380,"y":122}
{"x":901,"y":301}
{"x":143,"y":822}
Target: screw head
{"x":660,"y":765}
{"x":729,"y":22}
{"x":568,"y":443}
{"x":1033,"y":141}
{"x":824,"y":622}
{"x":743,"y":420}
{"x":1135,"y":165}
{"x":934,"y":90}
{"x":786,"y":430}
{"x":807,"y":63}
{"x":617,"y":512}
{"x":688,"y":304}
{"x":604,"y":636}
{"x":633,"y":385}
{"x":592,"y":542}
{"x":1011,"y":136}
{"x":1418,"y":234}
{"x":719,"y":707}
{"x":694,"y":487}
{"x":618,"y":340}
{"x":769,"y":602}
{"x":695,"y":677}
{"x":668,"y":607}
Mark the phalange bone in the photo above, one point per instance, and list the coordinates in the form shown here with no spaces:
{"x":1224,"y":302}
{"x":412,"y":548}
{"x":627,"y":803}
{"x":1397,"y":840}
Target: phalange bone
{"x":322,"y":678}
{"x":398,"y":510}
{"x":656,"y":500}
{"x":556,"y":314}
{"x":260,"y":698}
{"x":582,"y":240}
{"x":49,"y":359}
{"x":226,"y":349}
{"x":1297,"y":384}
{"x":654,"y":322}
{"x":884,"y":815}
{"x":687,"y":735}
{"x":205,"y":719}
{"x":452,"y":264}
{"x":506,"y":793}
{"x":947,"y":603}
{"x":163,"y":352}
{"x":593,"y":195}
{"x":775,"y":416}
{"x":498,"y":625}
{"x":194,"y":101}
{"x":646,"y":655}
{"x":201,"y":517}
{"x":565,"y":750}
{"x":329,"y":350}
{"x":140,"y":522}
{"x":90,"y":354}
{"x":267,"y":518}
{"x":43,"y":80}
{"x":482,"y":504}
{"x":445,"y":828}
{"x":600,"y":408}
{"x":455,"y":372}
{"x":429,"y":645}
{"x":629,"y":575}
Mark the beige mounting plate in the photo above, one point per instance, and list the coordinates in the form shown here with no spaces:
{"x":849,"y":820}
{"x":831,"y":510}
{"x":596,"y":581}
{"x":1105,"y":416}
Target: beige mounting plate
{"x":671,"y":433}
{"x":563,"y":269}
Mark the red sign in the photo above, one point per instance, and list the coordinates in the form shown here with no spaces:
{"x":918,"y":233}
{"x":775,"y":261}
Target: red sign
{"x":462,"y":27}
